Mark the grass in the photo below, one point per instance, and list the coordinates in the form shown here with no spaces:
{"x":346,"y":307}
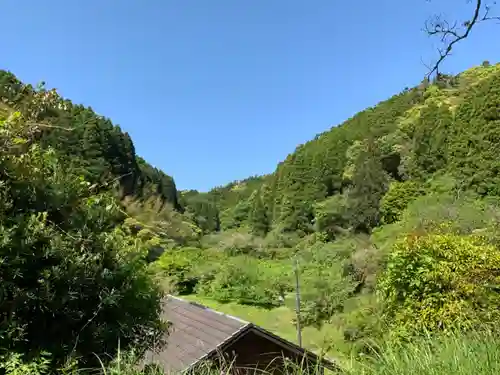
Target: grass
{"x":460,"y":354}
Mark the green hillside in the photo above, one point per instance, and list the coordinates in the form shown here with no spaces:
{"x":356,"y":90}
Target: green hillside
{"x":103,"y":153}
{"x":417,"y":134}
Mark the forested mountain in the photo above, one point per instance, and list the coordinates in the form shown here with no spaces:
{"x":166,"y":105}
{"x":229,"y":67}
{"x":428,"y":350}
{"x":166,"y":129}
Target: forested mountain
{"x":443,"y":126}
{"x":100,"y":151}
{"x":293,"y":198}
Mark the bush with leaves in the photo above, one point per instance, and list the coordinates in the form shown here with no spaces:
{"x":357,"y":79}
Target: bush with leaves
{"x":397,"y":198}
{"x":246,"y":280}
{"x":179,"y":266}
{"x":125,"y":363}
{"x":323,"y":293}
{"x":238,"y":243}
{"x":365,"y":264}
{"x":441,"y":282}
{"x":325,"y":284}
{"x":71,"y":281}
{"x":463,"y":214}
{"x":331,"y":216}
{"x":361,"y":323}
{"x":278,"y":238}
{"x":161,"y":221}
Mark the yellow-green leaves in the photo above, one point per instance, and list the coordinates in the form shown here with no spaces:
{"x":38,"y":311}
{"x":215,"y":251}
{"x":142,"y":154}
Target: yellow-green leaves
{"x":397,"y":198}
{"x":441,"y":281}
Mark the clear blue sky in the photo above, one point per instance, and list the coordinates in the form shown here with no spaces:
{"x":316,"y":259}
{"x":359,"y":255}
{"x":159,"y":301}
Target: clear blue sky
{"x":217,"y":90}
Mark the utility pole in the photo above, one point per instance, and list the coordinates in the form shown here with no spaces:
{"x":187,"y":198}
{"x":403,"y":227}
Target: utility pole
{"x":297,"y":302}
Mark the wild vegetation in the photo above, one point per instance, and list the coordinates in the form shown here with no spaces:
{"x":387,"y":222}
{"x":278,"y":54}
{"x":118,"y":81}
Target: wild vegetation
{"x":393,"y":217}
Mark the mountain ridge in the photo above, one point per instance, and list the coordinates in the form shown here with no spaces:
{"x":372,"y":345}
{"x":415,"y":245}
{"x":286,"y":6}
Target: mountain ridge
{"x":330,"y":176}
{"x":314,"y":171}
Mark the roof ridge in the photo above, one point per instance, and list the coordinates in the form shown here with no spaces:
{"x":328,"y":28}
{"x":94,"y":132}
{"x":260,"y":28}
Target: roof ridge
{"x":249,"y":325}
{"x":201,"y":306}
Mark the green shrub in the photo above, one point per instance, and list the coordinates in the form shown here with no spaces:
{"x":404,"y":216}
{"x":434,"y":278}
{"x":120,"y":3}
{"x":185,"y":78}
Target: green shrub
{"x":323,"y":293}
{"x":71,"y":281}
{"x":324,"y":280}
{"x":278,"y":238}
{"x":397,"y":198}
{"x":365,"y":264}
{"x":179,"y":267}
{"x":245,"y":280}
{"x":465,"y":214}
{"x":331,"y":216}
{"x":241,"y":243}
{"x":153,"y":218}
{"x":125,"y":363}
{"x":441,"y":282}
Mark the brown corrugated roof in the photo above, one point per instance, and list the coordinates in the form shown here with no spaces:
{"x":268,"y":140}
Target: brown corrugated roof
{"x":195,"y":332}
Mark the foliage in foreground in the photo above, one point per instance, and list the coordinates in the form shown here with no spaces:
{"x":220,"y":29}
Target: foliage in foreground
{"x":72,"y":283}
{"x":462,"y":354}
{"x":125,"y":363}
{"x":441,"y":281}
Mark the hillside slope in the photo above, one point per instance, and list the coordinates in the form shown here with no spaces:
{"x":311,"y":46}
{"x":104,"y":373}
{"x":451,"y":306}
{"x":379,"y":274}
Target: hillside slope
{"x":101,"y":151}
{"x":445,"y":125}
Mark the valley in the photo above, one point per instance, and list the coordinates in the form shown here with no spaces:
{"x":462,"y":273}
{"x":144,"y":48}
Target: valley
{"x":393,"y":217}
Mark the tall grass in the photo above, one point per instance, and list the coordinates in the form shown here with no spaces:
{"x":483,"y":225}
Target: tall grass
{"x":457,"y":354}
{"x":476,"y":353}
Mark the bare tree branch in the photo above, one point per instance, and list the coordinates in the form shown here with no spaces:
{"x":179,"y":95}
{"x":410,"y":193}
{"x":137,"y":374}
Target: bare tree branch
{"x":452,"y":33}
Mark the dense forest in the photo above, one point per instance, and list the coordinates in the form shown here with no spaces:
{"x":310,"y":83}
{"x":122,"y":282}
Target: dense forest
{"x":393,"y":217}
